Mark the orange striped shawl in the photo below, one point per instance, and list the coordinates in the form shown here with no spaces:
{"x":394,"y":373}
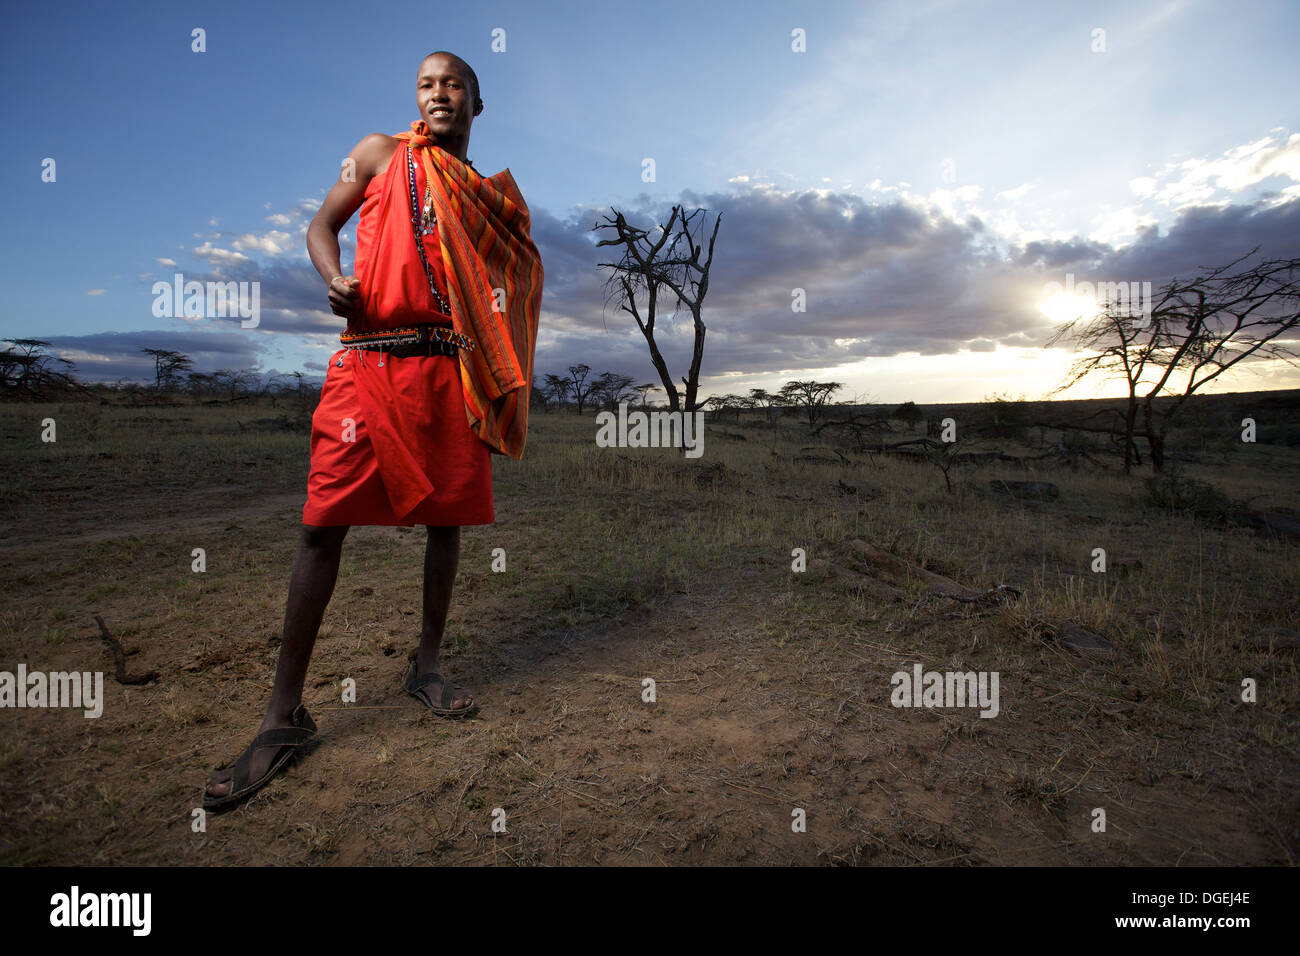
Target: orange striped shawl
{"x":483,"y":223}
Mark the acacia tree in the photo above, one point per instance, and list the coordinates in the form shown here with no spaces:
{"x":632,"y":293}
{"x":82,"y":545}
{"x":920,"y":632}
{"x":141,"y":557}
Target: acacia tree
{"x":167,"y":367}
{"x":671,"y":264}
{"x":199,"y":384}
{"x":299,"y":387}
{"x":611,"y":388}
{"x":579,"y":386}
{"x":726,"y":403}
{"x":762,"y":398}
{"x":557,"y":388}
{"x":234,"y":381}
{"x":1197,"y":330}
{"x":277,"y":385}
{"x":28,"y":372}
{"x":811,"y":396}
{"x":645,"y":390}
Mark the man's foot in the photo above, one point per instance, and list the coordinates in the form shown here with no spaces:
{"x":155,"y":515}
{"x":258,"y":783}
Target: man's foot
{"x":437,"y":693}
{"x":277,"y":740}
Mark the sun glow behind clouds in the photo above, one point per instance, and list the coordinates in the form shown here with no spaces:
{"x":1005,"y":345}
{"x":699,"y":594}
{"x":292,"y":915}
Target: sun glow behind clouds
{"x":1061,"y":307}
{"x":966,"y":376}
{"x":958,"y":377}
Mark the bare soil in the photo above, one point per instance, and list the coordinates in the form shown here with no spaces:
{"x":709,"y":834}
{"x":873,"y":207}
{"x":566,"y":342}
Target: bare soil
{"x":772,"y":688}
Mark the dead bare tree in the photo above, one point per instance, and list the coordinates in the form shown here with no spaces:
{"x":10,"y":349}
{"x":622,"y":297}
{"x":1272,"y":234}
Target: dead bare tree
{"x":864,"y":428}
{"x":1197,"y":330}
{"x":672,"y":263}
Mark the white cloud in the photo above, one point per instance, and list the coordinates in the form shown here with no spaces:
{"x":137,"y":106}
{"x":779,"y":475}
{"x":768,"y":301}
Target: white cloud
{"x":1118,"y":227}
{"x":217,"y":256}
{"x":1142,"y":186}
{"x":273,"y":243}
{"x":1007,"y":225}
{"x":95,"y":291}
{"x":166,"y":262}
{"x":947,"y":199}
{"x":1013,"y":195}
{"x":1195,"y":181}
{"x":1278,"y":161}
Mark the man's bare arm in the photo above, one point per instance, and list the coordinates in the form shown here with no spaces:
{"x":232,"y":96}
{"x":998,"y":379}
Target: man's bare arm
{"x":368,"y":159}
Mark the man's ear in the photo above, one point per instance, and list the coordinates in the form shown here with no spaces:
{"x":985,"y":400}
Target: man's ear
{"x":478,"y":107}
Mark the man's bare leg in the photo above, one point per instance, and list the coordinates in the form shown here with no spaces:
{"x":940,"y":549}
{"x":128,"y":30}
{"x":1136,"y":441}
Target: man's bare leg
{"x":314,"y":572}
{"x":441,"y":555}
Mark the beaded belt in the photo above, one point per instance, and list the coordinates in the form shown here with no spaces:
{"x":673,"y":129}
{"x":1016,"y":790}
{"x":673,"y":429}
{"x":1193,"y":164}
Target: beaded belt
{"x":407,"y":341}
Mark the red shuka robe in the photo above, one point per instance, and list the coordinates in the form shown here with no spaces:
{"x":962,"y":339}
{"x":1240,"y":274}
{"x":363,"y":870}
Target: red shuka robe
{"x":414,"y":458}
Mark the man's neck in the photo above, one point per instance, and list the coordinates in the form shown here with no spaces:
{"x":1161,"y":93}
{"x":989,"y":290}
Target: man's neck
{"x":455,"y":145}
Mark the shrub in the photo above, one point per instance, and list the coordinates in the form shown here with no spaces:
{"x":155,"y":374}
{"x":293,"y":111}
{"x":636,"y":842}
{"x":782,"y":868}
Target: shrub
{"x":1180,"y":493}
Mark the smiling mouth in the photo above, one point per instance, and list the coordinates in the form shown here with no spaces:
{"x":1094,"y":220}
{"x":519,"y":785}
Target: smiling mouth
{"x":441,"y":112}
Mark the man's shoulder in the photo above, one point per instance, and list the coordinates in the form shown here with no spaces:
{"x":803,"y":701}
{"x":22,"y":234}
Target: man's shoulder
{"x":379,"y":139}
{"x":378,"y":144}
{"x":374,"y":151}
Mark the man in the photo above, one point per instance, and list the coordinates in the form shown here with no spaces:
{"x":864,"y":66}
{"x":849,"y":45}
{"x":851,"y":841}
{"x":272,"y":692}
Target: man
{"x":433,"y":378}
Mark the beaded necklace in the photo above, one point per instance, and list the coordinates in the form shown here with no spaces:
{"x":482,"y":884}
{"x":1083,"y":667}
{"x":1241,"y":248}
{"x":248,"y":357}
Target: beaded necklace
{"x":422,"y":225}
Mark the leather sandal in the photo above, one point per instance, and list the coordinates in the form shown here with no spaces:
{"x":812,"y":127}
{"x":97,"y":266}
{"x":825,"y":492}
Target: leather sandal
{"x":415,"y":687}
{"x":287,"y":741}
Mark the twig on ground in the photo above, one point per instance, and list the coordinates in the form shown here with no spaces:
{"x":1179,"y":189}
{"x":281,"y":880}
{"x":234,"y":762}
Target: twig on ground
{"x":119,"y":658}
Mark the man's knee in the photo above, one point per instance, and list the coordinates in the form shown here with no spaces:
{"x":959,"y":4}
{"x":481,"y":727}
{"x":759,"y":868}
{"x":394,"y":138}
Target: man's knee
{"x":327,"y":538}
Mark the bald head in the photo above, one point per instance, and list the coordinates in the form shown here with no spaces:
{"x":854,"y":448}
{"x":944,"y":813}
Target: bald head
{"x":446,"y":91}
{"x":471,"y":78}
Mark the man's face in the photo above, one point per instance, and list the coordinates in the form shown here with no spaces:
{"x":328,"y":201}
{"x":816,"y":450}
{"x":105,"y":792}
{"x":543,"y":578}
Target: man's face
{"x":445,"y":99}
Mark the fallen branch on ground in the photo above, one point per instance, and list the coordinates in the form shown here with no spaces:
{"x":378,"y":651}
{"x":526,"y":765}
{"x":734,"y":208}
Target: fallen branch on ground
{"x":119,"y":658}
{"x":905,"y":571}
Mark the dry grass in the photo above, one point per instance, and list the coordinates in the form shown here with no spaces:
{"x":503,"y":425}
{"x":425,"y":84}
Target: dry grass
{"x":622,"y":564}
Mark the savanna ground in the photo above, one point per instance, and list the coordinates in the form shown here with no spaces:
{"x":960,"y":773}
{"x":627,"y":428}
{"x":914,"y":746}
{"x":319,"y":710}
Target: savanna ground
{"x":773,"y":687}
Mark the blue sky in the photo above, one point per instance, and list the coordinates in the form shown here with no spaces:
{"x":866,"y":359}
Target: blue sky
{"x":921,"y":170}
